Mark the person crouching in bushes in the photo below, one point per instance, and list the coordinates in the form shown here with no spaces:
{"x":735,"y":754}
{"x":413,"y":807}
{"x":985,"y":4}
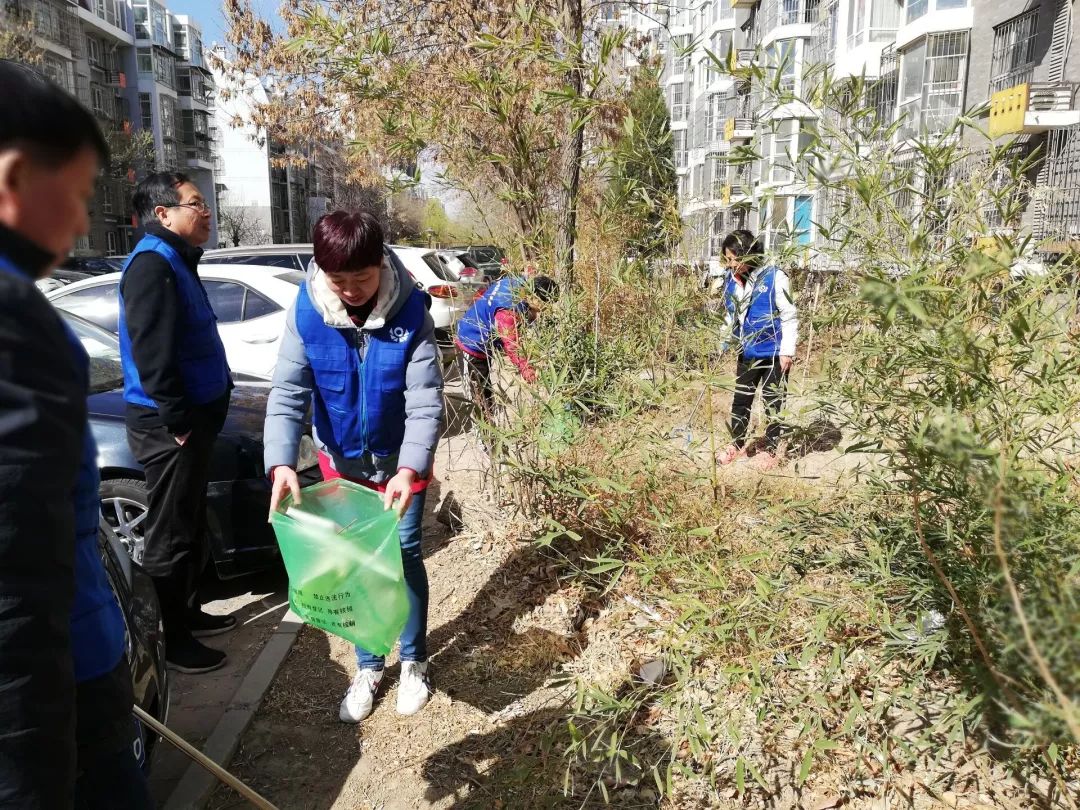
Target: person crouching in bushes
{"x":493,"y":323}
{"x":761,"y":316}
{"x":360,"y":340}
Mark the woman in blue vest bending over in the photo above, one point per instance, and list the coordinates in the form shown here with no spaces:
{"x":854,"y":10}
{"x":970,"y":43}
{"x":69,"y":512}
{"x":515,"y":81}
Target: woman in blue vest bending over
{"x":492,"y":323}
{"x":360,"y":339}
{"x":761,"y":315}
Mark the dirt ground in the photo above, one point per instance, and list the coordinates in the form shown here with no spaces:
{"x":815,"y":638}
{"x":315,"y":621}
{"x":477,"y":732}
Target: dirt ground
{"x":501,"y":627}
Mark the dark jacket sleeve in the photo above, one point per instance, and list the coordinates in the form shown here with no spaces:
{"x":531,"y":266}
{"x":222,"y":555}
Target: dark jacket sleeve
{"x":151,"y":310}
{"x":42,"y":421}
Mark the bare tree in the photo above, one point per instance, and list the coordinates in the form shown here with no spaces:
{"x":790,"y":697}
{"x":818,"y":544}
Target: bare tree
{"x":238,"y":226}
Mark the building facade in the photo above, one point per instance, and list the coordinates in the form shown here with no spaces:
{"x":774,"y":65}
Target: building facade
{"x":925,"y":63}
{"x":140,"y":69}
{"x":278,"y":200}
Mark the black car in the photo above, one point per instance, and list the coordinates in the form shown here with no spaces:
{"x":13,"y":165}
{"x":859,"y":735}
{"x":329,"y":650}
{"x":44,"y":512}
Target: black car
{"x":238,"y":495}
{"x":93,"y":265}
{"x":144,"y":638}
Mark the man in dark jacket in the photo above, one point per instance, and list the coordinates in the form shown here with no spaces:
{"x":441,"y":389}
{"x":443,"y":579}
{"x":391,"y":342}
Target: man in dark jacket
{"x":176,"y":385}
{"x":61,"y":630}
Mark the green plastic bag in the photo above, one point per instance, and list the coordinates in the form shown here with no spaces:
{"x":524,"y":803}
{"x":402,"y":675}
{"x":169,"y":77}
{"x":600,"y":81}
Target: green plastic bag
{"x":341,"y":549}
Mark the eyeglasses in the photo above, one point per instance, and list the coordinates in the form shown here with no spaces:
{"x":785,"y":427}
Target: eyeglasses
{"x":199,"y":205}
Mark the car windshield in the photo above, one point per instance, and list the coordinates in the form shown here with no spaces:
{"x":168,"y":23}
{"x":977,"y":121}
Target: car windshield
{"x":106,"y":373}
{"x":432,"y":261}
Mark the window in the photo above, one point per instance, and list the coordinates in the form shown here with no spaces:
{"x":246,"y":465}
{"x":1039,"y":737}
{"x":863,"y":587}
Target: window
{"x":168,"y":116}
{"x":98,"y":304}
{"x":1014,"y":51}
{"x":932,"y":83}
{"x":256,"y":306}
{"x":678,"y":138}
{"x":916,"y":9}
{"x":146,"y":111}
{"x":721,"y":44}
{"x":226,"y":299}
{"x":111,"y":243}
{"x":804,"y":206}
{"x":781,"y":58}
{"x":681,"y":54}
{"x":872,"y":21}
{"x":180,"y":40}
{"x":943,"y":83}
{"x":93,"y":51}
{"x":142,"y":21}
{"x":107,"y":198}
{"x":145,"y":60}
{"x":168,"y":155}
{"x":716,"y":235}
{"x":165,"y":68}
{"x":678,"y":102}
{"x":719,"y":176}
{"x":159,"y":23}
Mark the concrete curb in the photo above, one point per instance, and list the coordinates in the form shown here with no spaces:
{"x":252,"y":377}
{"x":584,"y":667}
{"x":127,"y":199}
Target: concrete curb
{"x":196,"y":784}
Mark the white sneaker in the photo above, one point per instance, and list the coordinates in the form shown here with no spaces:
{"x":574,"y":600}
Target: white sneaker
{"x":414,"y":688}
{"x":360,"y":699}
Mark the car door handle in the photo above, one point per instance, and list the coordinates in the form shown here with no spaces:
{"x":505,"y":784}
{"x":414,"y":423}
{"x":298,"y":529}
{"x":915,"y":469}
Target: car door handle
{"x":259,"y":339}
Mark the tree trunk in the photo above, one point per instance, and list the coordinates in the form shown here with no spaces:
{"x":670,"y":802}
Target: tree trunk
{"x":570,"y":161}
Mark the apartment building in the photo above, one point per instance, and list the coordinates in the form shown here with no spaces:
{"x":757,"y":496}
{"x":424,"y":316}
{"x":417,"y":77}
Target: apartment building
{"x":281,"y":199}
{"x":138,"y":67}
{"x":174,"y":95}
{"x":928,"y":62}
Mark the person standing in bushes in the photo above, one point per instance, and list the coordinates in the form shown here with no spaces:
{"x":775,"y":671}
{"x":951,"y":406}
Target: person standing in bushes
{"x":762,"y":319}
{"x":493,"y":323}
{"x":360,"y":340}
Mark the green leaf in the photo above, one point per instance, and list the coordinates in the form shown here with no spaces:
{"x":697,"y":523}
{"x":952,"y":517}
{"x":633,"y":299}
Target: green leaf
{"x":807,"y":763}
{"x":740,"y":774}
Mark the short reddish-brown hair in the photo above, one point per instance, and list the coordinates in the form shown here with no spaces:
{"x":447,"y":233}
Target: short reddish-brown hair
{"x":348,"y":241}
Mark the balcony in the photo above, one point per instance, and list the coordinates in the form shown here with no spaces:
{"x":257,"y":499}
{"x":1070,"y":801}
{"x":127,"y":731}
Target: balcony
{"x":739,"y":129}
{"x":1032,"y":108}
{"x":116,"y":78}
{"x":743,"y":3}
{"x":744,"y":58}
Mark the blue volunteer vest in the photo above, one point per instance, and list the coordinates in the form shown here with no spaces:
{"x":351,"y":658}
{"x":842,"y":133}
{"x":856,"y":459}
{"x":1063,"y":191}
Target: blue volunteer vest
{"x":200,"y":355}
{"x":97,"y":625}
{"x":760,"y":330}
{"x":475,"y":329}
{"x":359,"y":402}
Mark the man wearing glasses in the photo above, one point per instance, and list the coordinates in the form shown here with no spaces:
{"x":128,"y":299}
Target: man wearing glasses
{"x":176,"y":386}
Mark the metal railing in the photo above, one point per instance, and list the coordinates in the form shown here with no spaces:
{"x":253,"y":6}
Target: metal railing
{"x":1051,"y":96}
{"x":1060,"y":215}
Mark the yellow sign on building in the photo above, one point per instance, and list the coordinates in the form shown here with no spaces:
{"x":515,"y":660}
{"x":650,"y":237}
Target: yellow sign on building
{"x":1007,"y":110}
{"x":725,"y":195}
{"x":729,"y":129}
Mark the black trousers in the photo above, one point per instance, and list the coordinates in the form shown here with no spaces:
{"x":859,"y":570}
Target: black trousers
{"x":751,"y":373}
{"x":109,"y":775}
{"x":476,"y":375}
{"x":176,"y":546}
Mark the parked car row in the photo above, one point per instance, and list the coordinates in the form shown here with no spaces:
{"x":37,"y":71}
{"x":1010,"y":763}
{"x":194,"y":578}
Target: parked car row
{"x":251,"y":290}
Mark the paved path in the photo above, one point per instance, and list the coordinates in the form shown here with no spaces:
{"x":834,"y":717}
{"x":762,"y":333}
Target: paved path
{"x":199,"y":702}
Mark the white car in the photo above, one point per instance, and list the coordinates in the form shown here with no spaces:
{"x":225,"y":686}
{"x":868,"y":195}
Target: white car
{"x":250,"y":303}
{"x":450,"y":298}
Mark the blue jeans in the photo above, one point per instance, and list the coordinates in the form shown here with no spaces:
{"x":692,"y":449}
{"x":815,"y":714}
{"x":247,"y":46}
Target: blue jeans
{"x":414,"y":636}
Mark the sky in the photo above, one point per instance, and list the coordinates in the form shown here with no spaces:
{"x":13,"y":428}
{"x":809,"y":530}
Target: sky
{"x":210,"y":17}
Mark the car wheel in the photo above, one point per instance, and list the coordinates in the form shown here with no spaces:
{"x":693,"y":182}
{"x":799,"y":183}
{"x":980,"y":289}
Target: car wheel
{"x":125,"y":506}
